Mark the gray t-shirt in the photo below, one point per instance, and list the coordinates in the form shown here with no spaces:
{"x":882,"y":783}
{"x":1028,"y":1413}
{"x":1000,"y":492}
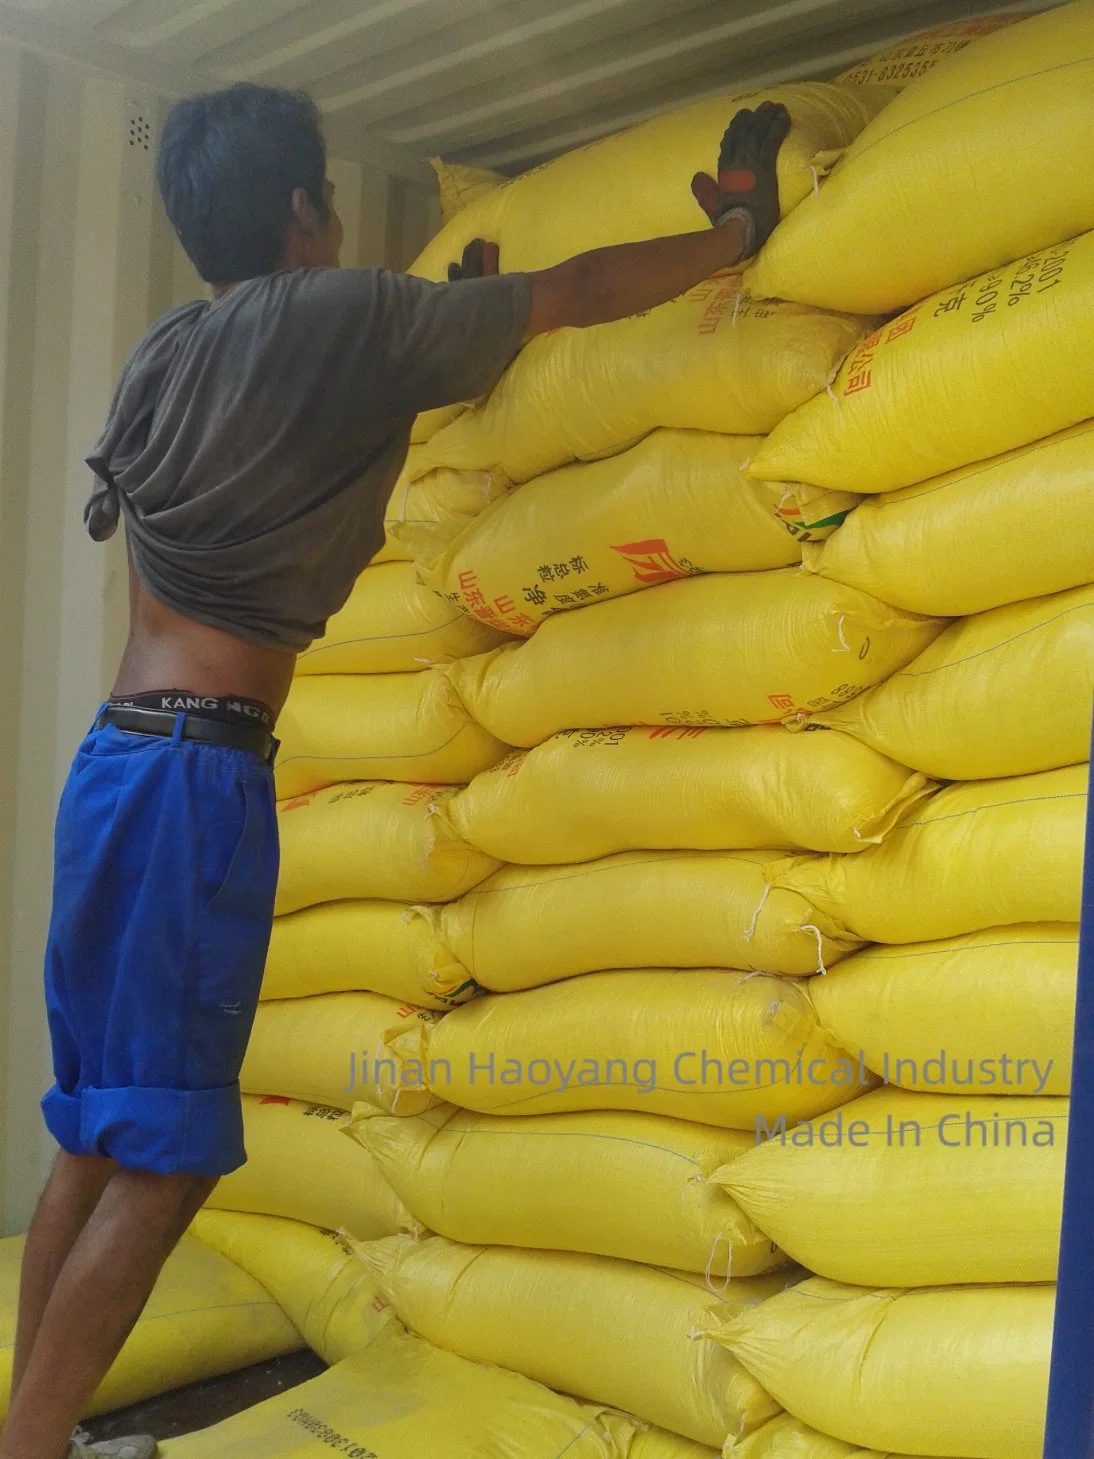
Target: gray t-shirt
{"x":253,"y":442}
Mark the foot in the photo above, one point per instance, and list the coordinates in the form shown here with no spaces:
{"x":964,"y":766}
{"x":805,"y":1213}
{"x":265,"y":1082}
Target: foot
{"x":133,"y":1446}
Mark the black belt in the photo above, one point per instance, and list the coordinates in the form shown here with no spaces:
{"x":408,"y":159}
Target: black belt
{"x":135,"y":721}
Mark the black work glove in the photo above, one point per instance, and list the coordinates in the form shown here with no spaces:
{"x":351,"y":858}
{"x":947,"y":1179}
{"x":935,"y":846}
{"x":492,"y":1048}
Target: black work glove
{"x":747,"y":187}
{"x":480,"y":259}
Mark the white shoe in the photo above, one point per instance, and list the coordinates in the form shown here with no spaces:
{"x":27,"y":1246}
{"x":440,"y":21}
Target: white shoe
{"x":133,"y":1446}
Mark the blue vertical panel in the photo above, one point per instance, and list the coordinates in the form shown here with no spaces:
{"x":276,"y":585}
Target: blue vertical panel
{"x":1070,"y":1430}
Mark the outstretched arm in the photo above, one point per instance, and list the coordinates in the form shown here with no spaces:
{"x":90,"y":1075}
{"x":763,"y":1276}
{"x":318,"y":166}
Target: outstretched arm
{"x":612,"y":283}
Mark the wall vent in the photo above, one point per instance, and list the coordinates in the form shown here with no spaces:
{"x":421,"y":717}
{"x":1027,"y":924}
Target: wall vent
{"x":138,"y":131}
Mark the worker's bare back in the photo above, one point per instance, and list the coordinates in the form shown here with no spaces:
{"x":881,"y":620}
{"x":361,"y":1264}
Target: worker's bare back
{"x":167,"y":651}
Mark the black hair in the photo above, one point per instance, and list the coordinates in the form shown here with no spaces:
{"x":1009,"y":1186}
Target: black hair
{"x":227,"y":166}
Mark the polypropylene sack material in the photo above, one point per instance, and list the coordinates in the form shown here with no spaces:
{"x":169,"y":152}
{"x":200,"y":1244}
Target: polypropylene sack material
{"x":428,"y":422}
{"x":460,"y":185}
{"x":1007,"y":692}
{"x":589,"y":793}
{"x":731,"y":649}
{"x":785,"y":1437}
{"x":612,"y":1183}
{"x":370,"y":839}
{"x":205,"y":1317}
{"x":356,"y":947}
{"x":587,"y":197}
{"x":297,"y":1167}
{"x":337,"y":1048}
{"x":424,"y":513}
{"x":907,"y":60}
{"x":715,"y":359}
{"x":996,"y":1006}
{"x":690,"y":909}
{"x":1030,"y":513}
{"x":925,"y":196}
{"x":951,"y":1370}
{"x":405,"y":1399}
{"x":720,"y":1048}
{"x":614,"y":1332}
{"x":967,"y":374}
{"x":406,"y":727}
{"x":313,"y":1275}
{"x":675,"y":505}
{"x":391,"y":624}
{"x":660,"y":1444}
{"x":990,"y":853}
{"x":913,"y":1190}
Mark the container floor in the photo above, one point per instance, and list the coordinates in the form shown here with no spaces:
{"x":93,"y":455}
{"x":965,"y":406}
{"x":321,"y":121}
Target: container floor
{"x":201,"y":1404}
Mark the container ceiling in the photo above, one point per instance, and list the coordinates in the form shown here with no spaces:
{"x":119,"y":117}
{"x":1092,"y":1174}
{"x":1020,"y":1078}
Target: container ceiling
{"x":502,"y":83}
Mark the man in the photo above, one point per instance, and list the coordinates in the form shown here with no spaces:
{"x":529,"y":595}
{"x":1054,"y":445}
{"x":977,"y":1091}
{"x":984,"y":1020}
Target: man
{"x":251,"y":448}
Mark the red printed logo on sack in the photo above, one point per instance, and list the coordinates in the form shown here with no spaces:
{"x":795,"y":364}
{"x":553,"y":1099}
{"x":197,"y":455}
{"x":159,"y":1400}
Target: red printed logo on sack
{"x":676,"y":732}
{"x":653,"y":563}
{"x":297,"y":804}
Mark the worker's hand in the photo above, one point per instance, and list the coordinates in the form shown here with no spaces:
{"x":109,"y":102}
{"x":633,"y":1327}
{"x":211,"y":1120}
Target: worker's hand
{"x":479,"y":260}
{"x":747,"y":187}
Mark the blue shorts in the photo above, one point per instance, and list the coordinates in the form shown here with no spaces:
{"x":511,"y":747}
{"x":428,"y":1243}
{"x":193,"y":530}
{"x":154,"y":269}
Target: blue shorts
{"x":164,"y":876}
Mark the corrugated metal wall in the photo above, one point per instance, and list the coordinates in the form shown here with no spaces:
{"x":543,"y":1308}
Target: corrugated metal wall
{"x":87,"y":260}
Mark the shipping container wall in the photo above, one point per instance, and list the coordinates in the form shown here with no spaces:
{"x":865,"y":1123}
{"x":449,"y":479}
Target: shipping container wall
{"x":87,"y":260}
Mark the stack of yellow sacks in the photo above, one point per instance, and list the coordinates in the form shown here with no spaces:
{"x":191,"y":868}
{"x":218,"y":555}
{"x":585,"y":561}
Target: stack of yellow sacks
{"x":781,"y":971}
{"x":929,"y":675}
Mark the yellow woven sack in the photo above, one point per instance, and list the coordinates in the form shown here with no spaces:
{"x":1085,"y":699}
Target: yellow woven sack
{"x":587,"y":198}
{"x":659,"y":1444}
{"x":1004,"y":994}
{"x":794,"y":642}
{"x":913,"y":1190}
{"x":297,"y":1167}
{"x":336,"y":1049}
{"x":995,"y":123}
{"x":428,"y":422}
{"x":460,"y":185}
{"x":312,"y":1274}
{"x":435,"y":505}
{"x":615,"y":1332}
{"x":589,"y":793}
{"x":725,"y":362}
{"x":918,"y":55}
{"x":1005,"y":692}
{"x":636,"y":1040}
{"x":373,"y":839}
{"x":349,"y":947}
{"x":205,"y":1317}
{"x":987,"y":854}
{"x":1029,"y":512}
{"x":676,"y":504}
{"x":405,"y":1399}
{"x":407,"y":727}
{"x":390,"y":625}
{"x":955,"y":1370}
{"x":785,"y":1437}
{"x":967,"y":374}
{"x":689,"y":909}
{"x":612,"y":1183}
{"x":425,"y":514}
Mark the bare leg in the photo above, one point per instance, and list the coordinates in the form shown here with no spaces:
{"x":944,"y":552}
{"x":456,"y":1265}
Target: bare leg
{"x":71,"y":1194}
{"x":96,"y":1300}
